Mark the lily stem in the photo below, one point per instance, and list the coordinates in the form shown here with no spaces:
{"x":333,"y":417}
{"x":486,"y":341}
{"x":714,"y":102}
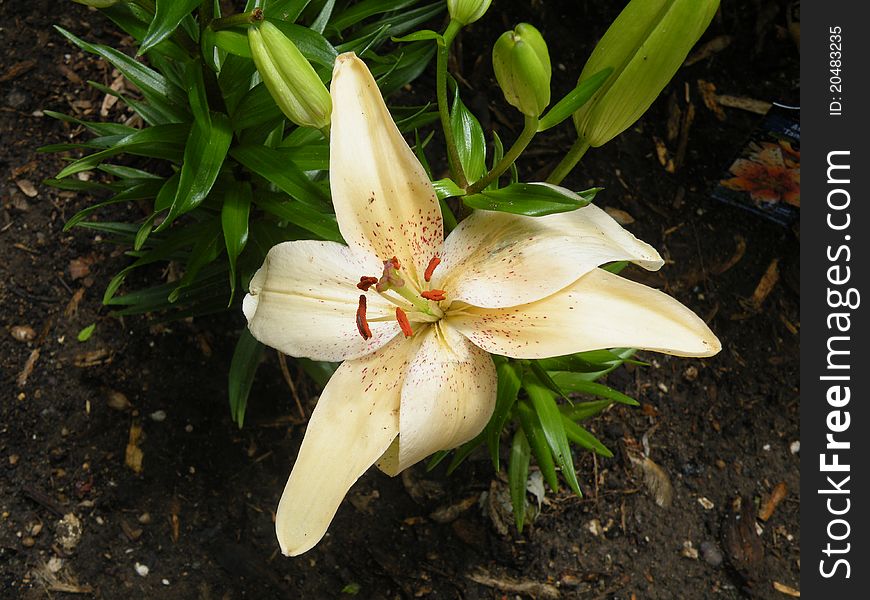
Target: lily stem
{"x":529,"y":130}
{"x":244,"y":19}
{"x":569,"y":161}
{"x":456,"y":169}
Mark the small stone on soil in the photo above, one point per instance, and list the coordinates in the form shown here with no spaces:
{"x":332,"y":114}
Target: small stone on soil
{"x":158,"y":416}
{"x":23,"y":333}
{"x":141,"y":570}
{"x":795,"y":447}
{"x":711,"y":554}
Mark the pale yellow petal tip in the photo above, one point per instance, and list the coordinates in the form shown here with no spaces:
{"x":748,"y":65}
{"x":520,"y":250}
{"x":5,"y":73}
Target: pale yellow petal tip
{"x":344,"y":60}
{"x":252,"y":299}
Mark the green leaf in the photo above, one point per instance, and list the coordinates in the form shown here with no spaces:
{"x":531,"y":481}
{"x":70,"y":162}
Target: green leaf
{"x":286,"y":10}
{"x":319,"y":371}
{"x":581,"y":436}
{"x":419,"y":36}
{"x":204,"y":156}
{"x":322,"y":19}
{"x":573,"y":100}
{"x":311,"y":44}
{"x":545,"y":379}
{"x":323,"y":225}
{"x":497,"y":154}
{"x":233,"y":42}
{"x":160,"y":141}
{"x":204,"y":251}
{"x":464,"y":451}
{"x":167,"y":17}
{"x":530,"y":199}
{"x":538,"y":442}
{"x":518,"y":475}
{"x":94,"y":126}
{"x":447,"y":188}
{"x":469,"y":139}
{"x":134,"y":20}
{"x":581,"y":411}
{"x":234,"y":220}
{"x":154,"y":86}
{"x":273,"y":164}
{"x":615,"y":267}
{"x":509,"y":381}
{"x":578,"y":383}
{"x":85,"y":334}
{"x":255,"y":108}
{"x":243,"y":368}
{"x":367,"y":8}
{"x":551,"y":422}
{"x":593,"y":364}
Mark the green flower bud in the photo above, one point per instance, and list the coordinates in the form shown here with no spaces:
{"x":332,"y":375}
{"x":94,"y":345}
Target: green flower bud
{"x":467,"y":11}
{"x":289,"y":77}
{"x":645,"y":46}
{"x":522,"y":68}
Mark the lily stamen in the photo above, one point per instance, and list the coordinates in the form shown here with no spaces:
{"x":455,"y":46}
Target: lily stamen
{"x":366,"y":282}
{"x":402,"y":318}
{"x":434,"y":295}
{"x":427,"y":275}
{"x":362,"y":324}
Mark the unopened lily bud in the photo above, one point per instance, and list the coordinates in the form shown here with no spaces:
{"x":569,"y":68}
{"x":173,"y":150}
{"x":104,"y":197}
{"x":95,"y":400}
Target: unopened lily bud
{"x":522,"y":67}
{"x":645,"y":46}
{"x":467,"y":11}
{"x":289,"y":77}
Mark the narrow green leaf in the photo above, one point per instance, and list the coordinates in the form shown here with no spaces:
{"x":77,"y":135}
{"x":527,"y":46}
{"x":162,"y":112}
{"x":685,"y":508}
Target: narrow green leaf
{"x":311,"y":43}
{"x":85,"y":334}
{"x":323,"y":225}
{"x":206,"y":249}
{"x":461,"y":453}
{"x":167,"y":18}
{"x":273,"y":164}
{"x":243,"y":368}
{"x":419,"y":36}
{"x":518,"y":475}
{"x":134,"y":20}
{"x":286,"y":10}
{"x":469,"y":139}
{"x":160,"y":141}
{"x":154,"y":86}
{"x":538,"y":442}
{"x":530,"y":199}
{"x":143,"y":233}
{"x":233,"y":42}
{"x":509,"y":382}
{"x":367,"y":8}
{"x":234,"y":220}
{"x":322,"y":19}
{"x":497,"y":155}
{"x":96,"y":127}
{"x":573,"y":100}
{"x":583,"y":438}
{"x":593,"y":364}
{"x":447,"y":188}
{"x":578,"y":383}
{"x":550,"y":419}
{"x":204,"y":156}
{"x":615,"y":267}
{"x":581,"y":411}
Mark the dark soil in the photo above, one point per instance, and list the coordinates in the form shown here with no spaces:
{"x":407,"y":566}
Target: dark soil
{"x":199,"y":515}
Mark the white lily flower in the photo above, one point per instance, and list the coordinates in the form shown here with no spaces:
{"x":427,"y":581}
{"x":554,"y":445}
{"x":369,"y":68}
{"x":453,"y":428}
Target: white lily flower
{"x":415,"y":317}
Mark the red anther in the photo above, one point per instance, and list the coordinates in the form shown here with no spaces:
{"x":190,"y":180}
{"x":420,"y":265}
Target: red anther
{"x":395,"y":262}
{"x":362,"y":324}
{"x":404,"y":323}
{"x":366,"y":282}
{"x":427,"y":275}
{"x":434,"y":295}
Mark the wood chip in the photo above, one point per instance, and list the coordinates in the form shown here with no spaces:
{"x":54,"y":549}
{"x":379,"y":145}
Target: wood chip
{"x":515,"y":586}
{"x":711,"y":100}
{"x":620,"y":216}
{"x":18,"y":69}
{"x":786,"y":589}
{"x":26,"y":186}
{"x":133,"y":454}
{"x":748,"y":104}
{"x":23,"y":333}
{"x":675,"y":117}
{"x":448,"y":514}
{"x":663,"y":155}
{"x":80,"y":267}
{"x":739,"y":251}
{"x":714,"y":46}
{"x":779,"y":493}
{"x":28,"y":368}
{"x":72,"y":307}
{"x":70,"y":74}
{"x":109,"y":100}
{"x":93,"y":358}
{"x":766,"y":284}
{"x":655,"y":479}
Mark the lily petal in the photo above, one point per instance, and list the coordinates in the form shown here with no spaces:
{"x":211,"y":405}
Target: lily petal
{"x":354,"y":422}
{"x":600,"y":310}
{"x":447,"y":399}
{"x":383,"y":199}
{"x":303,"y":302}
{"x":495,"y":260}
